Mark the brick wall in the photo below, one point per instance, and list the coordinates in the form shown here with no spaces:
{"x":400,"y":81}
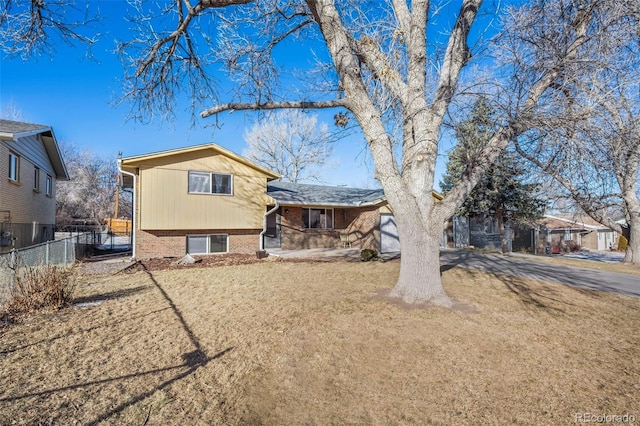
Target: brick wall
{"x":155,"y":244}
{"x":362,"y":224}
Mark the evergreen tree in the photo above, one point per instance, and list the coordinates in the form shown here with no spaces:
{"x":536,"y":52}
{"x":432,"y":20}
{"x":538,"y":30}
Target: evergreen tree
{"x":501,"y":191}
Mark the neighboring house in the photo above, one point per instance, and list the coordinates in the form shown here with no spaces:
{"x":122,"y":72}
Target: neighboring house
{"x":564,"y":233}
{"x":206,"y":199}
{"x":480,"y":230}
{"x":31,"y":164}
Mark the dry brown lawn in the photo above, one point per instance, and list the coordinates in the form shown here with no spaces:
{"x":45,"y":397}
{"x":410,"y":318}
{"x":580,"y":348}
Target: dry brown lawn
{"x":284,"y":343}
{"x":619,"y":267}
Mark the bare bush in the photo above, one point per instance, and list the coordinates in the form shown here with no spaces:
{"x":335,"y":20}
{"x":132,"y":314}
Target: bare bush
{"x":38,"y":287}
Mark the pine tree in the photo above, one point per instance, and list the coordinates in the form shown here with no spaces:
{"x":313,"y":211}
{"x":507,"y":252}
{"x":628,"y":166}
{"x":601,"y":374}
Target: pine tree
{"x":502,"y":191}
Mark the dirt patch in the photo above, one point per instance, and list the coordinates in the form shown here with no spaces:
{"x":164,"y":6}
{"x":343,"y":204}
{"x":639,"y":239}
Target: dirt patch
{"x":285,"y":342}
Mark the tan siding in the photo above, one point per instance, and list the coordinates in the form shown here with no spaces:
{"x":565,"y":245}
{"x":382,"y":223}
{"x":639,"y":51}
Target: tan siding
{"x":165,"y":203}
{"x":25,"y":204}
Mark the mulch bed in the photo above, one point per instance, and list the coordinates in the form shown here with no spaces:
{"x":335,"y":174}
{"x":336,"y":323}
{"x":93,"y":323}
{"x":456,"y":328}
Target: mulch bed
{"x":232,"y":259}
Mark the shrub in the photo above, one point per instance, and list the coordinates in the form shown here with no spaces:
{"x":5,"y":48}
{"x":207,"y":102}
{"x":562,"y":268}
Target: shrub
{"x":622,"y":243}
{"x":367,"y":255}
{"x":38,"y":287}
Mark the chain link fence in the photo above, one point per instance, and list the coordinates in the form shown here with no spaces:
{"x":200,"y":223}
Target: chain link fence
{"x":61,"y":252}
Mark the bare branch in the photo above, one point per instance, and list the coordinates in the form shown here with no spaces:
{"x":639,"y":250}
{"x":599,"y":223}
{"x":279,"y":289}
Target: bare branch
{"x":31,"y":28}
{"x":252,"y":106}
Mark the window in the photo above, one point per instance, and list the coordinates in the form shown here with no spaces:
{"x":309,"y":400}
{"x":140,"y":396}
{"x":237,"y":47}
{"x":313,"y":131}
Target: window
{"x":317,"y":218}
{"x":210,"y":183}
{"x":36,"y":179}
{"x":49,"y":186}
{"x":14,"y":167}
{"x":204,"y":244}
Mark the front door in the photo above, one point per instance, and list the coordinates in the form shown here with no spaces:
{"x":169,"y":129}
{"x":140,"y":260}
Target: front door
{"x":272,"y":235}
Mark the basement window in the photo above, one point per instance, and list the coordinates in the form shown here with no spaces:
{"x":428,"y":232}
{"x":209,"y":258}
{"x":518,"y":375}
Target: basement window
{"x":206,"y":244}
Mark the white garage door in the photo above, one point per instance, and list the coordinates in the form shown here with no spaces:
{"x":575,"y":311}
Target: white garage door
{"x":389,"y":240}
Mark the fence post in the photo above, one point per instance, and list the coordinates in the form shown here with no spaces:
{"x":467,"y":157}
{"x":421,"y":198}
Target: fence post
{"x":14,"y":265}
{"x":46,"y":253}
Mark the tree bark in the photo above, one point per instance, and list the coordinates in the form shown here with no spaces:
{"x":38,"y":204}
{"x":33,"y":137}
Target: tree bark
{"x":632,"y":253}
{"x":420,"y":280}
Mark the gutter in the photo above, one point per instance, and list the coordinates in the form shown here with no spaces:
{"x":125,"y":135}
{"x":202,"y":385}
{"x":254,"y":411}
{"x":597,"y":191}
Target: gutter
{"x":133,"y":209}
{"x":264,"y":224}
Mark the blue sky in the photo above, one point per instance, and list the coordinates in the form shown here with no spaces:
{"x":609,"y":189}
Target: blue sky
{"x":74,"y":95}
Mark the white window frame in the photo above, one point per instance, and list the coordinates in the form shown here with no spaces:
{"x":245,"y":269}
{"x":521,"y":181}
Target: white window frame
{"x":210,"y":189}
{"x":324,"y":224}
{"x":48,"y":186}
{"x":14,"y":167}
{"x":208,"y":239}
{"x":36,"y":179}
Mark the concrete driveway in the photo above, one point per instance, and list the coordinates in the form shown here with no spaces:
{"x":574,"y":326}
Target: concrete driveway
{"x":528,"y":267}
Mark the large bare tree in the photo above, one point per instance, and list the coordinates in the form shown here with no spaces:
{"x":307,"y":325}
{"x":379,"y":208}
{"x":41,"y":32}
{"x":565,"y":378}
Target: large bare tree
{"x":292,"y":144}
{"x":595,"y":155}
{"x":89,"y":194}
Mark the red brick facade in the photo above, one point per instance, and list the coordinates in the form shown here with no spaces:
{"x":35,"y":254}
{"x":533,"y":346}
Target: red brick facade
{"x":361,"y":224}
{"x":154,"y":244}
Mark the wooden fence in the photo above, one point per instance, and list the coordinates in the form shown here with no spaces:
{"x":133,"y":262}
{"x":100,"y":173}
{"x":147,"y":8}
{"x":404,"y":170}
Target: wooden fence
{"x":119,"y":226}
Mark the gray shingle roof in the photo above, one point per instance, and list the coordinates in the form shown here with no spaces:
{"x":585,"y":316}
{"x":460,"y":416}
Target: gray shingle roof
{"x":15,"y":127}
{"x":319,"y":195}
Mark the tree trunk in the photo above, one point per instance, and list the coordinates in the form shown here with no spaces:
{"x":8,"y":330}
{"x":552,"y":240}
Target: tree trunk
{"x":632,"y":254}
{"x":503,"y":236}
{"x":420,"y":280}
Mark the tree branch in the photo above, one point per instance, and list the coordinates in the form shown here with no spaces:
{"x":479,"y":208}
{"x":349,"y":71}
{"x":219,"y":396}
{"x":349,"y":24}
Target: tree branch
{"x":456,"y":57}
{"x":241,"y":106}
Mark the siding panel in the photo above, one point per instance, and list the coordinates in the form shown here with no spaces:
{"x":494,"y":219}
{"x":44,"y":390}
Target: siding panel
{"x":166,"y":204}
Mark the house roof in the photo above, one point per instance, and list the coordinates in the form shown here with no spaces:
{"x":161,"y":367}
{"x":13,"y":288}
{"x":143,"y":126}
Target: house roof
{"x":300,"y":194}
{"x":134,"y":160}
{"x":571,"y":222}
{"x":14,"y":130}
{"x":286,"y":193}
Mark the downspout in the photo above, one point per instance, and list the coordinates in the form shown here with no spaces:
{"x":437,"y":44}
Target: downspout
{"x":133,"y":209}
{"x":264,"y":224}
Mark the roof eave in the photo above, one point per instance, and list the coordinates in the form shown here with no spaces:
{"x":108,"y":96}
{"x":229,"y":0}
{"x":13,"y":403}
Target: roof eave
{"x":136,"y":160}
{"x":55,"y":156}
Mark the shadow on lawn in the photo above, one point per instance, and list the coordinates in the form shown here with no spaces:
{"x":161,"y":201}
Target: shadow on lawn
{"x":84,"y":330}
{"x":191,"y":362}
{"x":541,"y":298}
{"x":110,"y":295}
{"x":532,"y":297}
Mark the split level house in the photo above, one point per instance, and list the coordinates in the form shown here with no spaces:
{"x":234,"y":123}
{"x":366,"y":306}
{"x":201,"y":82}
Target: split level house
{"x":31,"y":164}
{"x":206,"y":199}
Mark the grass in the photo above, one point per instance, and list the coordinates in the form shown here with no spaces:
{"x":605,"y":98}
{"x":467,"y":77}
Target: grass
{"x":618,"y":267}
{"x":313,"y":343}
